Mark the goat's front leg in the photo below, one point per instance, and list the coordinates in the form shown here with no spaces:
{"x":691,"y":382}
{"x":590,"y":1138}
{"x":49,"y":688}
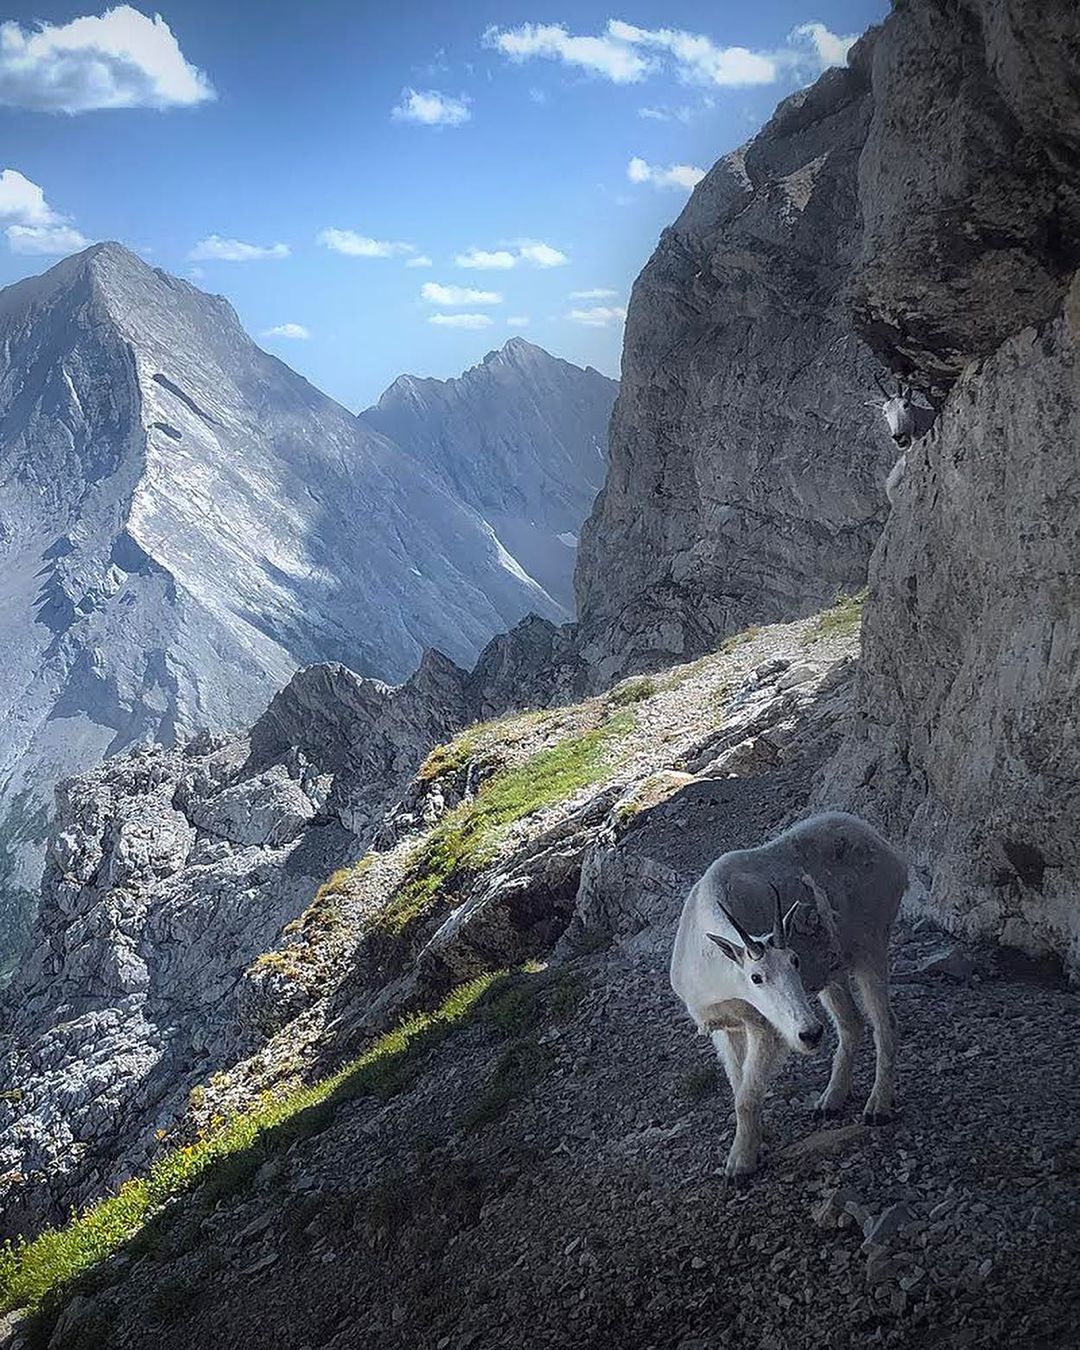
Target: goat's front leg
{"x":764,"y":1055}
{"x":838,"y":1003}
{"x":873,"y":984}
{"x":731,"y":1051}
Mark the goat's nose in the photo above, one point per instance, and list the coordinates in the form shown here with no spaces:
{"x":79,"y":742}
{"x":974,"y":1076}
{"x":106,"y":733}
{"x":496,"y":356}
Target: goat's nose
{"x":812,"y":1037}
{"x":902,"y":439}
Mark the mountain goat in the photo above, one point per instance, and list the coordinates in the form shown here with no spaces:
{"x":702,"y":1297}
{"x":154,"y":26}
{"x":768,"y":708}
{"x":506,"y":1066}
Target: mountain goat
{"x":763,"y":928}
{"x":908,"y":422}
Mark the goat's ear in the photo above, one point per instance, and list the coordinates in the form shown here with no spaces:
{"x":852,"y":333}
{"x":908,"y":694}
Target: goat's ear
{"x":730,"y":950}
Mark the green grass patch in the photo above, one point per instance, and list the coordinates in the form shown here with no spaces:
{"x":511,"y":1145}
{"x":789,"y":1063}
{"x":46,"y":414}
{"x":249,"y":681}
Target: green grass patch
{"x":221,"y":1160}
{"x":466,"y":838}
{"x":636,"y":690}
{"x":844,"y":618}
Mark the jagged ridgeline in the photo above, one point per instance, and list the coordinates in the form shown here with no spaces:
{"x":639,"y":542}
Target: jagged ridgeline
{"x":370,"y":1002}
{"x":184,"y":521}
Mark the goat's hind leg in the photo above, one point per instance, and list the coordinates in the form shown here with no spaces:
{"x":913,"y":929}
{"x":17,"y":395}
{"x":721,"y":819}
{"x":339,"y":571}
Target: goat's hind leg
{"x":838,"y":1003}
{"x":873,"y":985}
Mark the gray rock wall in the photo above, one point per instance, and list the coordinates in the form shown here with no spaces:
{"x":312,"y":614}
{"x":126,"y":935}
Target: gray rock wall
{"x":965,"y":739}
{"x":746,"y":471}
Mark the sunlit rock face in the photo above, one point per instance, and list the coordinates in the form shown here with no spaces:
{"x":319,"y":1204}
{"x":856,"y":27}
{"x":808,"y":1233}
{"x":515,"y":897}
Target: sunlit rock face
{"x":522,"y":438}
{"x":184,"y":521}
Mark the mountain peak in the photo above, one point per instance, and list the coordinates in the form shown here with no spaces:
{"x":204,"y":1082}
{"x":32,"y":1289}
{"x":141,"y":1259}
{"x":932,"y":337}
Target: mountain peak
{"x":517,"y":351}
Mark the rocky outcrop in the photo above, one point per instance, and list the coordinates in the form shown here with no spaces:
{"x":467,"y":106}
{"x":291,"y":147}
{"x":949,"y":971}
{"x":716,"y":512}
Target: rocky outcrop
{"x":187,"y":937}
{"x":965,"y":742}
{"x":522,"y":439}
{"x":746,"y":476}
{"x":184,"y":521}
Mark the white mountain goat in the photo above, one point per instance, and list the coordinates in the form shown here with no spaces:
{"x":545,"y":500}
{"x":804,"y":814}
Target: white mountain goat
{"x":766,"y":926}
{"x":908,"y":422}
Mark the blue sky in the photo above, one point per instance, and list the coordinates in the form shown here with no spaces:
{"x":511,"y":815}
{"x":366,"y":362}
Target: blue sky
{"x":548,"y":146}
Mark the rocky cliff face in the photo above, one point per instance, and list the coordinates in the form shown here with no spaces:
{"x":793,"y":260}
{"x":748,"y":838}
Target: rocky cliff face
{"x":965,"y":741}
{"x":522,"y":439}
{"x":184,"y":521}
{"x":746,"y":471}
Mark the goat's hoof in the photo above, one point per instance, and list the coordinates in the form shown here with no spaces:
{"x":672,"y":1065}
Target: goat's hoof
{"x":828,"y":1112}
{"x":737,"y":1181}
{"x":877,"y":1117}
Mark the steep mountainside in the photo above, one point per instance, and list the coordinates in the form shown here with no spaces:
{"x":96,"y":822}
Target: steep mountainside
{"x":184,"y":521}
{"x":522,"y":439}
{"x":966,"y":740}
{"x":746,"y":470}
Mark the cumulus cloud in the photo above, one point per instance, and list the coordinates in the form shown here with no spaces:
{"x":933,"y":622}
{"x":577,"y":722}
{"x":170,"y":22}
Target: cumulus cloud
{"x":540,"y":254}
{"x":120,"y":59}
{"x":30,"y":223}
{"x":235,"y":250}
{"x":606,"y":56}
{"x":484,"y":260}
{"x":435,"y":294}
{"x":431,"y":109}
{"x":421,"y":260}
{"x":295,"y":331}
{"x":831,"y":49}
{"x":598,"y":316}
{"x":361,"y":246}
{"x":625,"y":54}
{"x":597,"y":293}
{"x":531,"y":252}
{"x":47,"y":239}
{"x":682,"y":176}
{"x":460,"y":320}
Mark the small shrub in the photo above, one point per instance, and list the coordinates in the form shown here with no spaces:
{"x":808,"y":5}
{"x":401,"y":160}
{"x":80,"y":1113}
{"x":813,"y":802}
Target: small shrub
{"x":737,"y":640}
{"x":844,"y":618}
{"x":633,"y":691}
{"x":699,"y":1084}
{"x":517,"y":1071}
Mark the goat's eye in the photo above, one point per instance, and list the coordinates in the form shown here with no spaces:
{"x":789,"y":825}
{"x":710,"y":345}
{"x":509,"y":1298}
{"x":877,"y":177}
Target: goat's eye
{"x":756,"y":978}
{"x":794,"y":960}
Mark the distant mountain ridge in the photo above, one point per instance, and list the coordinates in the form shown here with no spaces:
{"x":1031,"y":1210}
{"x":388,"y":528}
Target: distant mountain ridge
{"x":521,"y":438}
{"x":184,"y":521}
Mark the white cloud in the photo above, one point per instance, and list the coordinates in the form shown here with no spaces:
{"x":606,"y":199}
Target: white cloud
{"x":23,"y":201}
{"x":296,"y":331}
{"x":431,"y":109}
{"x":605,"y":56}
{"x":435,"y":294}
{"x":540,"y":254}
{"x":484,"y":261}
{"x":625,"y":54}
{"x":534,"y":252}
{"x":461,"y":320}
{"x":48,"y":239}
{"x":831,"y":48}
{"x":421,"y":260}
{"x":597,"y":293}
{"x":697,"y":59}
{"x":598,"y":316}
{"x":235,"y":250}
{"x":30,"y":223}
{"x":360,"y":246}
{"x":683,"y":176}
{"x":121,"y":59}
{"x":518,"y":321}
